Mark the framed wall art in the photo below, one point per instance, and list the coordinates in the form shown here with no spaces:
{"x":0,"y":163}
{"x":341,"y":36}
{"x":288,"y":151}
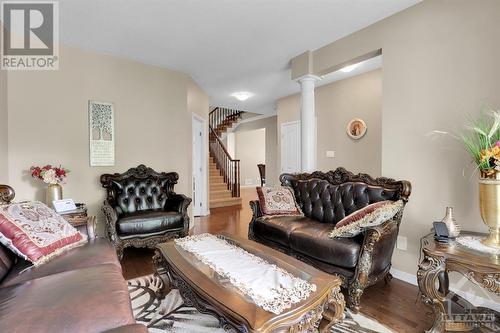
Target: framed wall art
{"x":356,"y":128}
{"x":101,"y":133}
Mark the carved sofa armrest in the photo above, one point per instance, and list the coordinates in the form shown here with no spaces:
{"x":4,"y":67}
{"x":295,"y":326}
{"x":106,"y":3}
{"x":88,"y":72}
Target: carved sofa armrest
{"x":255,"y":206}
{"x":178,"y":203}
{"x":7,"y":194}
{"x":377,"y":248}
{"x":111,"y":218}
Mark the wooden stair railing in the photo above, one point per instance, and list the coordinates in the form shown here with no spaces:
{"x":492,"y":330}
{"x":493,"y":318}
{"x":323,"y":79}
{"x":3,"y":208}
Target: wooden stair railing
{"x":219,"y":120}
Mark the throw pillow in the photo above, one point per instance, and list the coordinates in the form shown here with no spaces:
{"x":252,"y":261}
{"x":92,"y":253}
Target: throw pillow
{"x":371,"y":215}
{"x":35,"y":232}
{"x":278,"y":200}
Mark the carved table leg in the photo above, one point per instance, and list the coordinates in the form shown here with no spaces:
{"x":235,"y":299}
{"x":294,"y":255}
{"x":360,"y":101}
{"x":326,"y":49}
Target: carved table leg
{"x":334,"y":310}
{"x":162,"y":272}
{"x":431,"y":275}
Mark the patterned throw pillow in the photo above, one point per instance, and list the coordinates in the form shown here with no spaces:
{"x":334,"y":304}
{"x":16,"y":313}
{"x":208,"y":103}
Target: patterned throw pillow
{"x":278,"y":200}
{"x":35,"y":232}
{"x":371,"y":215}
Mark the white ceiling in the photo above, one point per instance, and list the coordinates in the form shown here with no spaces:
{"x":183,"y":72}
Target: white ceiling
{"x":225,"y":45}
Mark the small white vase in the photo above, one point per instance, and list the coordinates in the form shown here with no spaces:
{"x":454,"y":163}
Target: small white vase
{"x":451,"y":223}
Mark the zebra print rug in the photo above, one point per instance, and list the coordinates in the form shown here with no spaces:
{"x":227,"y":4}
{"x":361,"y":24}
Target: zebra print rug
{"x":170,"y":315}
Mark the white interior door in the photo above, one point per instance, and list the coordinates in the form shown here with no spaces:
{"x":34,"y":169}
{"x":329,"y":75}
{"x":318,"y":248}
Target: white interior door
{"x":290,"y":147}
{"x":198,"y":168}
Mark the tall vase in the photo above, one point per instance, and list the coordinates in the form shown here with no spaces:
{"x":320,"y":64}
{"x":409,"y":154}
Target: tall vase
{"x":489,"y":205}
{"x":54,"y":192}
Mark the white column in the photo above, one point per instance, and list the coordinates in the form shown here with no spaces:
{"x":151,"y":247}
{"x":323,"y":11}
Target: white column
{"x":308,"y":123}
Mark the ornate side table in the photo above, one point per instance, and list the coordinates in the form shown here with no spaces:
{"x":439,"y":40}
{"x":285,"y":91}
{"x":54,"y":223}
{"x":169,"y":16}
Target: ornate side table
{"x":483,"y":269}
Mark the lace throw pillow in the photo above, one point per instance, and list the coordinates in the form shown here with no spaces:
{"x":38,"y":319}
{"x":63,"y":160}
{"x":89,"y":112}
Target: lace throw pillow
{"x":278,"y":200}
{"x":35,"y":232}
{"x":371,"y":215}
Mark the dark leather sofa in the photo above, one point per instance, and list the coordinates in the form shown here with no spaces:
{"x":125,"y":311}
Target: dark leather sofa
{"x":82,"y":290}
{"x":325,"y":199}
{"x":142,"y":209}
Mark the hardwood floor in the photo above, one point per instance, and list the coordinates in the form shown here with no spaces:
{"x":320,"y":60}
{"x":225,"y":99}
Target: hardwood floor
{"x":396,"y":305}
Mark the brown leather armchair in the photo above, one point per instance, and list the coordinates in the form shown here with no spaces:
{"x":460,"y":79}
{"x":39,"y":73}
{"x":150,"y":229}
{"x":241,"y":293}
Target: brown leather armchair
{"x":325,"y":199}
{"x":142,"y":209}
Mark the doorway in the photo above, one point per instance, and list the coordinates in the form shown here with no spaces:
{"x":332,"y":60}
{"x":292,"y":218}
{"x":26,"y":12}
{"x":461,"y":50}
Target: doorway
{"x":200,"y":159}
{"x":290,"y":147}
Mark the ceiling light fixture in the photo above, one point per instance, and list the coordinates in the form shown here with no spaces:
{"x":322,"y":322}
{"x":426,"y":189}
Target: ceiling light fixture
{"x":349,"y":68}
{"x":242,"y":95}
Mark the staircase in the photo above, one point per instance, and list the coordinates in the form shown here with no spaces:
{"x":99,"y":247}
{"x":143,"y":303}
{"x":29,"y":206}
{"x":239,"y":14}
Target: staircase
{"x":224,"y":176}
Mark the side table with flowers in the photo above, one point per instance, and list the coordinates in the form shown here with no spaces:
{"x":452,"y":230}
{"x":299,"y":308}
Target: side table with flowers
{"x":54,"y":177}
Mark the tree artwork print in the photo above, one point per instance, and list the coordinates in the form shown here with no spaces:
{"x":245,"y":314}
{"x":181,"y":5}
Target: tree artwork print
{"x":101,"y":133}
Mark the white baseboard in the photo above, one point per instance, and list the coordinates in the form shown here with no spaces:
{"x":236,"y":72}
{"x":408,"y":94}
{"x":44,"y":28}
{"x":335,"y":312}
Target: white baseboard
{"x":471,"y":297}
{"x":403,"y":276}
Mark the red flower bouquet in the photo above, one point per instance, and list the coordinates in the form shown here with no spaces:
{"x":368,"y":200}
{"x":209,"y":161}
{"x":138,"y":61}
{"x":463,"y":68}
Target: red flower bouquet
{"x":50,"y":174}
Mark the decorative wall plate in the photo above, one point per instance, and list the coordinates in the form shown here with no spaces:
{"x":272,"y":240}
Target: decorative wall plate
{"x":356,"y":128}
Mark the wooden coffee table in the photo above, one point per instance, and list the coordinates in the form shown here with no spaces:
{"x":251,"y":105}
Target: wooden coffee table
{"x":209,"y":293}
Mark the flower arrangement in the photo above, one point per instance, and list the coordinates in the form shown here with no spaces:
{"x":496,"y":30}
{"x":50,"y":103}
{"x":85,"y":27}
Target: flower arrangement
{"x":482,"y":141}
{"x":50,"y":174}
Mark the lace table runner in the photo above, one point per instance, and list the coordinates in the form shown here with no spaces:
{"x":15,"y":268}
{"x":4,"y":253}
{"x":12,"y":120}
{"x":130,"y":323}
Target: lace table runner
{"x":474,"y":242}
{"x":270,"y":287}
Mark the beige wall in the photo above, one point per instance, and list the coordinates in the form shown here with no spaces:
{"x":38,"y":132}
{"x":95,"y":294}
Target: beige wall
{"x":250,"y":149}
{"x":48,"y":121}
{"x":4,"y":174}
{"x":440,"y":65}
{"x":271,"y":146}
{"x":336,"y":104}
{"x":197,"y":99}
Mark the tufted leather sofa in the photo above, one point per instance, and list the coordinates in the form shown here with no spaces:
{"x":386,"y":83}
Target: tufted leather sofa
{"x":142,"y":209}
{"x":325,"y":199}
{"x":80,"y":291}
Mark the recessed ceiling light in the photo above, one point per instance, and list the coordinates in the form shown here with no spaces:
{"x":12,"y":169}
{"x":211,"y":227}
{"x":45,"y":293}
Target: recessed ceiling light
{"x":242,"y":95}
{"x":349,"y":68}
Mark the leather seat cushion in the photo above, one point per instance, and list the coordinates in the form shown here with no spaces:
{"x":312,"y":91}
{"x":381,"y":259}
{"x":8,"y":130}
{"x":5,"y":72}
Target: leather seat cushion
{"x":312,"y":240}
{"x":87,"y":300}
{"x":149,"y":221}
{"x":96,"y":252}
{"x":278,"y":228}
